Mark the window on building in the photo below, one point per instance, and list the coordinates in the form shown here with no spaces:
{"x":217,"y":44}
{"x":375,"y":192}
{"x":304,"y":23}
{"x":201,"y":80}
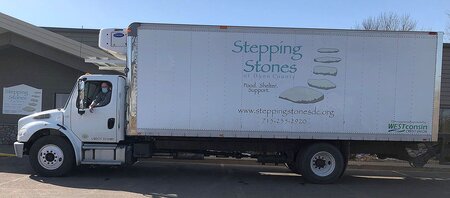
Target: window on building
{"x":444,"y":121}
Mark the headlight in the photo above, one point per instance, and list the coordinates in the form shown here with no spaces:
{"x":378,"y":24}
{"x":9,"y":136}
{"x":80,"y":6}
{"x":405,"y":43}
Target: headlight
{"x":42,"y":116}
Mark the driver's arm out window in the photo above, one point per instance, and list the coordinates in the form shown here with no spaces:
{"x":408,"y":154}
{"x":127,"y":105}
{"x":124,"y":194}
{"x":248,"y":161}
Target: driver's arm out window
{"x":92,"y":91}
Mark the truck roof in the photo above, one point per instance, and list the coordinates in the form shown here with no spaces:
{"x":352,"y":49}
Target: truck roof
{"x":133,"y":26}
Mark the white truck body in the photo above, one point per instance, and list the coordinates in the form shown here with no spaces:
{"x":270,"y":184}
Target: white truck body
{"x":304,"y":97}
{"x":210,"y":81}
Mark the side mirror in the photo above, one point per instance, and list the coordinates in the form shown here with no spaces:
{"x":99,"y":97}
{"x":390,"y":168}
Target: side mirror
{"x":81,"y":99}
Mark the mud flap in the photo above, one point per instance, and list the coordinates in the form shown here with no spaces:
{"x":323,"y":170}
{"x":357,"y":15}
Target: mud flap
{"x":420,"y":155}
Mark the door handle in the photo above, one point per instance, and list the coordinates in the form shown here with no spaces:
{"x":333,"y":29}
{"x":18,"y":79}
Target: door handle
{"x":111,"y":123}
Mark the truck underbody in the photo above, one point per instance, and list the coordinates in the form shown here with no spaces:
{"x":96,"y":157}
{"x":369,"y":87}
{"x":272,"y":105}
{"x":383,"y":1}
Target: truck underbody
{"x":267,"y":150}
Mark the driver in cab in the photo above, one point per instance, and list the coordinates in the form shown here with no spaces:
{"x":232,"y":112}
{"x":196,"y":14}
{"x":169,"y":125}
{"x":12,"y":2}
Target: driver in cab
{"x":102,"y":98}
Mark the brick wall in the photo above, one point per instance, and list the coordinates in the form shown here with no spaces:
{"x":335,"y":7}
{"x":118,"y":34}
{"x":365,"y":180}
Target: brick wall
{"x":8,"y":133}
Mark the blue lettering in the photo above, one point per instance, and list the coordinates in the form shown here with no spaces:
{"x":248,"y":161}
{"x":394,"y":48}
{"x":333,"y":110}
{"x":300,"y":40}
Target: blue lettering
{"x":236,"y":45}
{"x":248,"y":64}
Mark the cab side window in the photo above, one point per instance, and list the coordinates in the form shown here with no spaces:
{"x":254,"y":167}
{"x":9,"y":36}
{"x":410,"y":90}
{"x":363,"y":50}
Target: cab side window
{"x":93,"y":92}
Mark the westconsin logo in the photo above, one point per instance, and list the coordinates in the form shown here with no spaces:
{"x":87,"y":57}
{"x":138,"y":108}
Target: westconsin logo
{"x":409,"y":128}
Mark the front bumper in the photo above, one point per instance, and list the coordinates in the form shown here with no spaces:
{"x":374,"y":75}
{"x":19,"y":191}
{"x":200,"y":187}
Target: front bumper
{"x":18,"y":149}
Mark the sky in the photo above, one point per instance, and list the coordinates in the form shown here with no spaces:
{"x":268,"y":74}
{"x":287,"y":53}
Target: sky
{"x":340,"y":14}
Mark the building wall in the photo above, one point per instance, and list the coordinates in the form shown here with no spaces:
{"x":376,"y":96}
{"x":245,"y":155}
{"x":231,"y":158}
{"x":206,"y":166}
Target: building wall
{"x":18,"y":66}
{"x":445,"y":78}
{"x":85,"y":36}
{"x":444,"y":116}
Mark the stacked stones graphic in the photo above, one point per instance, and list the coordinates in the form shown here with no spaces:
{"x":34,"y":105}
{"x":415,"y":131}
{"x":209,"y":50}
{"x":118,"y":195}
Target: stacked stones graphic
{"x":33,"y":103}
{"x":306,"y":95}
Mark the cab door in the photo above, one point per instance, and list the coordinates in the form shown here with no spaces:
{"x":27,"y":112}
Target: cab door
{"x":100,"y":125}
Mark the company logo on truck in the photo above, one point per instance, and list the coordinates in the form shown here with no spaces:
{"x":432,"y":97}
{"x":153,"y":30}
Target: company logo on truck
{"x":265,"y":53}
{"x":407,"y":127}
{"x":317,"y":85}
{"x":118,"y":34}
{"x":265,"y":65}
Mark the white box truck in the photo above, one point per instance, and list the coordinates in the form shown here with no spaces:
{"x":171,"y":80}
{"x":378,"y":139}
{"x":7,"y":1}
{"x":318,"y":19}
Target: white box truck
{"x":304,"y":97}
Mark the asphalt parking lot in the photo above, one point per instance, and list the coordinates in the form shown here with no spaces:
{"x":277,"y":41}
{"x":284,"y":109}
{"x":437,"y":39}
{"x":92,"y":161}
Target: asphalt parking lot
{"x":164,"y":178}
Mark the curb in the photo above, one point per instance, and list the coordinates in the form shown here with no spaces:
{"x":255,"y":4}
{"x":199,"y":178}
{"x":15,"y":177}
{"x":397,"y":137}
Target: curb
{"x":352,"y":165}
{"x":393,"y":168}
{"x":6,"y":155}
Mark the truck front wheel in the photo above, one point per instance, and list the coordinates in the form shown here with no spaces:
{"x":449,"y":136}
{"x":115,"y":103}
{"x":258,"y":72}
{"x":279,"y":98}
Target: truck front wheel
{"x":51,"y":156}
{"x":321,"y":163}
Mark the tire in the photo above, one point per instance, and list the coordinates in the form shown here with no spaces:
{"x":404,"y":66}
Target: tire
{"x":321,"y":163}
{"x":52,"y":156}
{"x":345,"y":166}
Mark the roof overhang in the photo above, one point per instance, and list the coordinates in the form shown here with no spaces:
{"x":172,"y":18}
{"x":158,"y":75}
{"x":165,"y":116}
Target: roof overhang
{"x":57,"y":41}
{"x":13,"y":40}
{"x":107,"y":64}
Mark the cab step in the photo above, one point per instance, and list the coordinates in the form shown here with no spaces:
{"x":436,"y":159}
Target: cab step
{"x":101,"y":162}
{"x":103,"y":154}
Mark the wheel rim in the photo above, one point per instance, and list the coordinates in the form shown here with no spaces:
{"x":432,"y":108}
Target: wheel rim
{"x":50,"y":157}
{"x":323,"y":163}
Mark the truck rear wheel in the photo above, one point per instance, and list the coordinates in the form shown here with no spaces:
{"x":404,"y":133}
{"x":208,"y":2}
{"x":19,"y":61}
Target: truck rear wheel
{"x":51,"y":156}
{"x":321,"y":163}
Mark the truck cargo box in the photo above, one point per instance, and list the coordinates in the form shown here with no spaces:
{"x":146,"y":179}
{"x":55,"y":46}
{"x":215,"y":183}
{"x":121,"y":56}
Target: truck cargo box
{"x":252,"y":82}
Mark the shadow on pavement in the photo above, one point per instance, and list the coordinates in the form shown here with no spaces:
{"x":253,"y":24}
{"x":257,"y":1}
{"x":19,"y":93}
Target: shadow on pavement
{"x":167,"y":179}
{"x":15,"y":165}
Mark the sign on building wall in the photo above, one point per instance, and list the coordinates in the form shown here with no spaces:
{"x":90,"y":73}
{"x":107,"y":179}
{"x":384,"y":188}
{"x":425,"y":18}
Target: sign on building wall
{"x":22,"y":100}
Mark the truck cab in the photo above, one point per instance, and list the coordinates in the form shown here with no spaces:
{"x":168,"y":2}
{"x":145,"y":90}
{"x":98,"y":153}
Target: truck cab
{"x":60,"y":138}
{"x":104,"y":123}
